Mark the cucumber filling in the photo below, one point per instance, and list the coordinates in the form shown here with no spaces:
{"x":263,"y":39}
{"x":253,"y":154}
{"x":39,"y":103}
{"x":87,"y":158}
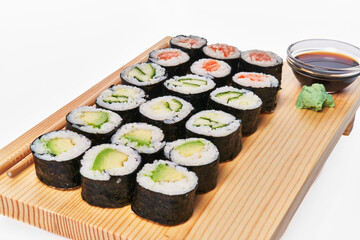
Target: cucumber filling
{"x":229,"y":96}
{"x":212,"y":120}
{"x":143,"y":72}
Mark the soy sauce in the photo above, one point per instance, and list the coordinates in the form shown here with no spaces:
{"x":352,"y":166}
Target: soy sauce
{"x":327,"y":60}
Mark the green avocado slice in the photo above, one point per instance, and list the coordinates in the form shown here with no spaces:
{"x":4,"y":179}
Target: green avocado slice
{"x":166,"y":173}
{"x":59,"y":145}
{"x":143,"y":137}
{"x":190,"y":148}
{"x":95,"y":119}
{"x":109,"y":158}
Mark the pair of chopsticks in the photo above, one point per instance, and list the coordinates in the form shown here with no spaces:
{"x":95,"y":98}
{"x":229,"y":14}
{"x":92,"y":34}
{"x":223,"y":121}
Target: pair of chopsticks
{"x":17,"y":161}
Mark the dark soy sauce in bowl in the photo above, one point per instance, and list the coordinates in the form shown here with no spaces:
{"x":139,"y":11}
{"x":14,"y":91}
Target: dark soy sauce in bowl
{"x":327,"y":60}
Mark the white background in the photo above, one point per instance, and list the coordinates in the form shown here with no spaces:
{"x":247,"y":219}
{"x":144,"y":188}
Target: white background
{"x":51,"y":52}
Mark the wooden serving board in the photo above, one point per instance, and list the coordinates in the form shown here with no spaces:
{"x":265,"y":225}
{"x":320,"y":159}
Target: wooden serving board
{"x":257,"y":193}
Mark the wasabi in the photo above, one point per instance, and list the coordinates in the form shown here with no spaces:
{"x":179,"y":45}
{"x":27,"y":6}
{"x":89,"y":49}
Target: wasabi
{"x":314,"y":98}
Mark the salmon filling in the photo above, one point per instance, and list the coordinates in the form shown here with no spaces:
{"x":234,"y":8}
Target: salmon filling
{"x":168,"y":55}
{"x":253,"y":77}
{"x":190,"y":41}
{"x":211,"y":65}
{"x":225,"y":49}
{"x":259,"y":56}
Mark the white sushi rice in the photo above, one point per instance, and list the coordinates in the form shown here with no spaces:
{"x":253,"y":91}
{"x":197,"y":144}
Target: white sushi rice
{"x":207,"y":155}
{"x":173,"y":84}
{"x":129,"y":166}
{"x":266,"y":80}
{"x":230,"y":120}
{"x":275,"y":59}
{"x":160,"y":75}
{"x":200,"y":41}
{"x":197,"y":68}
{"x":74,"y":118}
{"x":168,"y":117}
{"x":180,"y":187}
{"x":219,"y":54}
{"x":133,"y":101}
{"x":157,"y":137}
{"x":41,"y":151}
{"x":174,"y":61}
{"x":248,"y":100}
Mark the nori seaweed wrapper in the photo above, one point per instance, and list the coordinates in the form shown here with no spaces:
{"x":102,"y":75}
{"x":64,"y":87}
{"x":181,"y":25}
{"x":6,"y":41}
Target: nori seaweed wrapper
{"x":161,"y":208}
{"x":194,"y":53}
{"x":150,"y":157}
{"x":266,"y":94}
{"x":128,"y":116}
{"x":114,"y":193}
{"x":198,"y":100}
{"x":249,"y":117}
{"x":171,"y":131}
{"x":62,"y":175}
{"x":96,"y":138}
{"x":229,"y":146}
{"x":276,"y":70}
{"x":153,"y":90}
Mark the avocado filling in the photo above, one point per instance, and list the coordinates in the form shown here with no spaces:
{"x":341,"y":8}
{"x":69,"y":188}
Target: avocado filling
{"x":95,"y":119}
{"x":142,"y":137}
{"x":143,"y":72}
{"x":167,"y":106}
{"x":229,"y":96}
{"x":190,"y":148}
{"x":166,"y":173}
{"x":210,"y":119}
{"x":109,"y":158}
{"x":57,"y":146}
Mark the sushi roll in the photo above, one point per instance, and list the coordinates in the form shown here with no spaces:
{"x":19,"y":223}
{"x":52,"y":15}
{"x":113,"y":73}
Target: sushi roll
{"x":123,"y":100}
{"x":219,"y":127}
{"x":96,"y":124}
{"x":165,"y":193}
{"x":241,"y":103}
{"x":198,"y":155}
{"x":175,"y":61}
{"x":147,"y":139}
{"x":192,"y":88}
{"x":224,"y":52}
{"x":218,"y":70}
{"x":108,"y":175}
{"x":263,"y":85}
{"x":147,"y":76}
{"x":191,"y":44}
{"x":261,"y":61}
{"x":168,"y":113}
{"x":57,"y":157}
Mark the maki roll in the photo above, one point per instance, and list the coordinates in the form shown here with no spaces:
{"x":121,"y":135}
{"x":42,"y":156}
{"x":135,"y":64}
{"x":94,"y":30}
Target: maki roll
{"x":241,"y":103}
{"x":261,"y":61}
{"x":218,"y":70}
{"x":224,"y":52}
{"x":192,"y":88}
{"x":168,"y":113}
{"x":147,"y":76}
{"x":198,"y":155}
{"x":263,"y":85}
{"x":165,"y":193}
{"x":123,"y":100}
{"x":108,"y":175}
{"x":219,"y":127}
{"x":145,"y":138}
{"x":175,"y":61}
{"x":57,"y":157}
{"x":96,"y":124}
{"x":191,"y":44}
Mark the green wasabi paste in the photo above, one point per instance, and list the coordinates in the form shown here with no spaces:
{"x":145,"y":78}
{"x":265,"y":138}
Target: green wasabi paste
{"x":314,"y":98}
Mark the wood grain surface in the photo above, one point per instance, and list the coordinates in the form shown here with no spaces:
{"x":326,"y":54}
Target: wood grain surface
{"x":257,"y":193}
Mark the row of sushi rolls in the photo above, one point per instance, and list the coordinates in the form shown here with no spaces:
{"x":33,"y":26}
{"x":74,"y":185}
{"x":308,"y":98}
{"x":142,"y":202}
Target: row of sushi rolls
{"x":190,"y":104}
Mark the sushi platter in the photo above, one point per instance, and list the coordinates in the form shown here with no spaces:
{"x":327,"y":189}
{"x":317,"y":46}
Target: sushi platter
{"x":256,"y":194}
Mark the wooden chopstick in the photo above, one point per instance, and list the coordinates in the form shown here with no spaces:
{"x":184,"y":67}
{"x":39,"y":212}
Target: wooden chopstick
{"x":15,"y":157}
{"x":19,"y":167}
